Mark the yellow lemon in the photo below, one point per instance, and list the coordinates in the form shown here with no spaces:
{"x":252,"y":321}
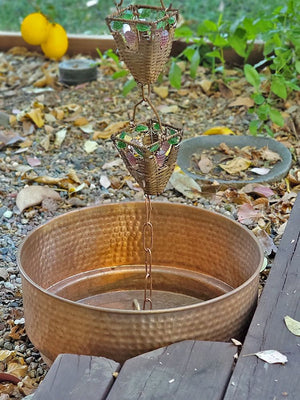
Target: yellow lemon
{"x":56,"y":44}
{"x":34,"y":28}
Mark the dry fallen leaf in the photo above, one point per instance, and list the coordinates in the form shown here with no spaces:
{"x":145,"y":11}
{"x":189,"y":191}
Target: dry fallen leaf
{"x":260,"y":171}
{"x":8,"y":137}
{"x":269,"y":155}
{"x":242,"y":101}
{"x":225,"y":90}
{"x":272,"y":357}
{"x":266,"y":242}
{"x":236,"y":165}
{"x":60,"y":137}
{"x":17,"y":369}
{"x":205,"y":85}
{"x":81,"y":121}
{"x":185,"y":185}
{"x":5,"y":355}
{"x":110,"y":130}
{"x":173,"y":109}
{"x":33,"y":195}
{"x":161,"y":91}
{"x":36,"y":116}
{"x":90,"y":146}
{"x":219,"y":130}
{"x":205,"y":164}
{"x":247,"y":214}
{"x":292,"y":325}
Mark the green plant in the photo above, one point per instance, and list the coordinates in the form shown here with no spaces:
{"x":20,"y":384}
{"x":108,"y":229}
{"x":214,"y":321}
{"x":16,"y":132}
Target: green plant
{"x":274,"y":78}
{"x":280,"y":76}
{"x":120,"y":72}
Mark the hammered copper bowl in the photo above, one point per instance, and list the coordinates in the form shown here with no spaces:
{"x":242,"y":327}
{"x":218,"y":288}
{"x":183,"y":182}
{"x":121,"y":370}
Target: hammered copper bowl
{"x":188,"y":242}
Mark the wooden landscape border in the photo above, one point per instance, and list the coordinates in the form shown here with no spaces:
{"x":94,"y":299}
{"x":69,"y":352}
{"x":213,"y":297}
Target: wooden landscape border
{"x":87,"y":45}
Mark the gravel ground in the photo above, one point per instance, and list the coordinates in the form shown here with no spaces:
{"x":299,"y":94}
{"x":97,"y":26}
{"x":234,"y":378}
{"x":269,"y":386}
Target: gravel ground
{"x":40,"y":154}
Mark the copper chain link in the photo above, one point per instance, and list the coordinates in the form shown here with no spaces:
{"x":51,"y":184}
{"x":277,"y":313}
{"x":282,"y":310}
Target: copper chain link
{"x":148,"y":245}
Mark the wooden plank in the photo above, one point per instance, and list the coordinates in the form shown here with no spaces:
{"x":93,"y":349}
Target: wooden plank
{"x":78,"y":44}
{"x":74,"y":377}
{"x":185,"y":370}
{"x":252,"y":378}
{"x":87,"y":45}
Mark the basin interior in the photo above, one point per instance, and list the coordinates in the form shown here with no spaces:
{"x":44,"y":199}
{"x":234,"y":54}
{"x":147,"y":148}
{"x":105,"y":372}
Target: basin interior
{"x":122,"y":287}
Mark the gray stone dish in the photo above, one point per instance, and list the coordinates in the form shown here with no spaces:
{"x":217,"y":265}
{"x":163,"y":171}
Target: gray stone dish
{"x":197,"y":144}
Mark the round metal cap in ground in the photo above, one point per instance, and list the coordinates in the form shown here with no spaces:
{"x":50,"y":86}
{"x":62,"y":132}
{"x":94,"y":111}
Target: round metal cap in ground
{"x":73,"y":72}
{"x":197,"y":144}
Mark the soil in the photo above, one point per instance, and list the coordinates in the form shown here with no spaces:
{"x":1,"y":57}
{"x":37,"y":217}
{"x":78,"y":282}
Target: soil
{"x":58,"y":136}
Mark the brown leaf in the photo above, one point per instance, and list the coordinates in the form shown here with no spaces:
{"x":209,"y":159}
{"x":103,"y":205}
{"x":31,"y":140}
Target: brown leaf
{"x":36,"y":116}
{"x":247,"y":214}
{"x":236,"y":165}
{"x":16,"y":332}
{"x":205,"y":164}
{"x":8,"y":137}
{"x":110,"y":130}
{"x":17,"y":369}
{"x":28,"y":128}
{"x":80,"y":121}
{"x":225,"y":90}
{"x":266,"y":242}
{"x":161,"y":91}
{"x":47,"y":80}
{"x":242,"y":101}
{"x":73,"y":175}
{"x":205,"y":85}
{"x":269,"y":155}
{"x":33,"y":195}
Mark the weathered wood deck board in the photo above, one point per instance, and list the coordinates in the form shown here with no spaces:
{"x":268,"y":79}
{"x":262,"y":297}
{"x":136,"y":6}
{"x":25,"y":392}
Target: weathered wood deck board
{"x":252,"y":378}
{"x":186,"y":370}
{"x":74,"y":377}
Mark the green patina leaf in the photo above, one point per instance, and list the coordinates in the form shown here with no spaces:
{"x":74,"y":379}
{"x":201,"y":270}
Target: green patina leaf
{"x":174,"y":140}
{"x":161,"y":25}
{"x":154,"y":147}
{"x":172,"y":20}
{"x":156,"y":126}
{"x":172,"y":131}
{"x":116,"y":25}
{"x":142,"y":27}
{"x":121,"y":145}
{"x":122,"y":135}
{"x":139,"y":151}
{"x":127,"y":14}
{"x":161,"y":14}
{"x":145,"y":12}
{"x":141,"y":128}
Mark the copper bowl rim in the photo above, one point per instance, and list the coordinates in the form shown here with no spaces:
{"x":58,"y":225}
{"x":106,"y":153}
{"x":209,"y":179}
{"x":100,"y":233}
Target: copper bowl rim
{"x":143,"y":312}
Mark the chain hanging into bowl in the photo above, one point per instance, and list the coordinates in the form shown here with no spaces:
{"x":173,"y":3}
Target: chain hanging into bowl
{"x":149,"y":149}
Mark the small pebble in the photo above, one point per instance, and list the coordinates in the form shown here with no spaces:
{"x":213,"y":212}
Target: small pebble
{"x":32,"y":374}
{"x":8,"y":346}
{"x":8,"y":214}
{"x":9,"y":286}
{"x":40,"y":371}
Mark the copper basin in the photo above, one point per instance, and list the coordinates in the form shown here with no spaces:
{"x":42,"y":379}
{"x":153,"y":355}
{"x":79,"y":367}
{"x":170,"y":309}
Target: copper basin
{"x":81,"y":271}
